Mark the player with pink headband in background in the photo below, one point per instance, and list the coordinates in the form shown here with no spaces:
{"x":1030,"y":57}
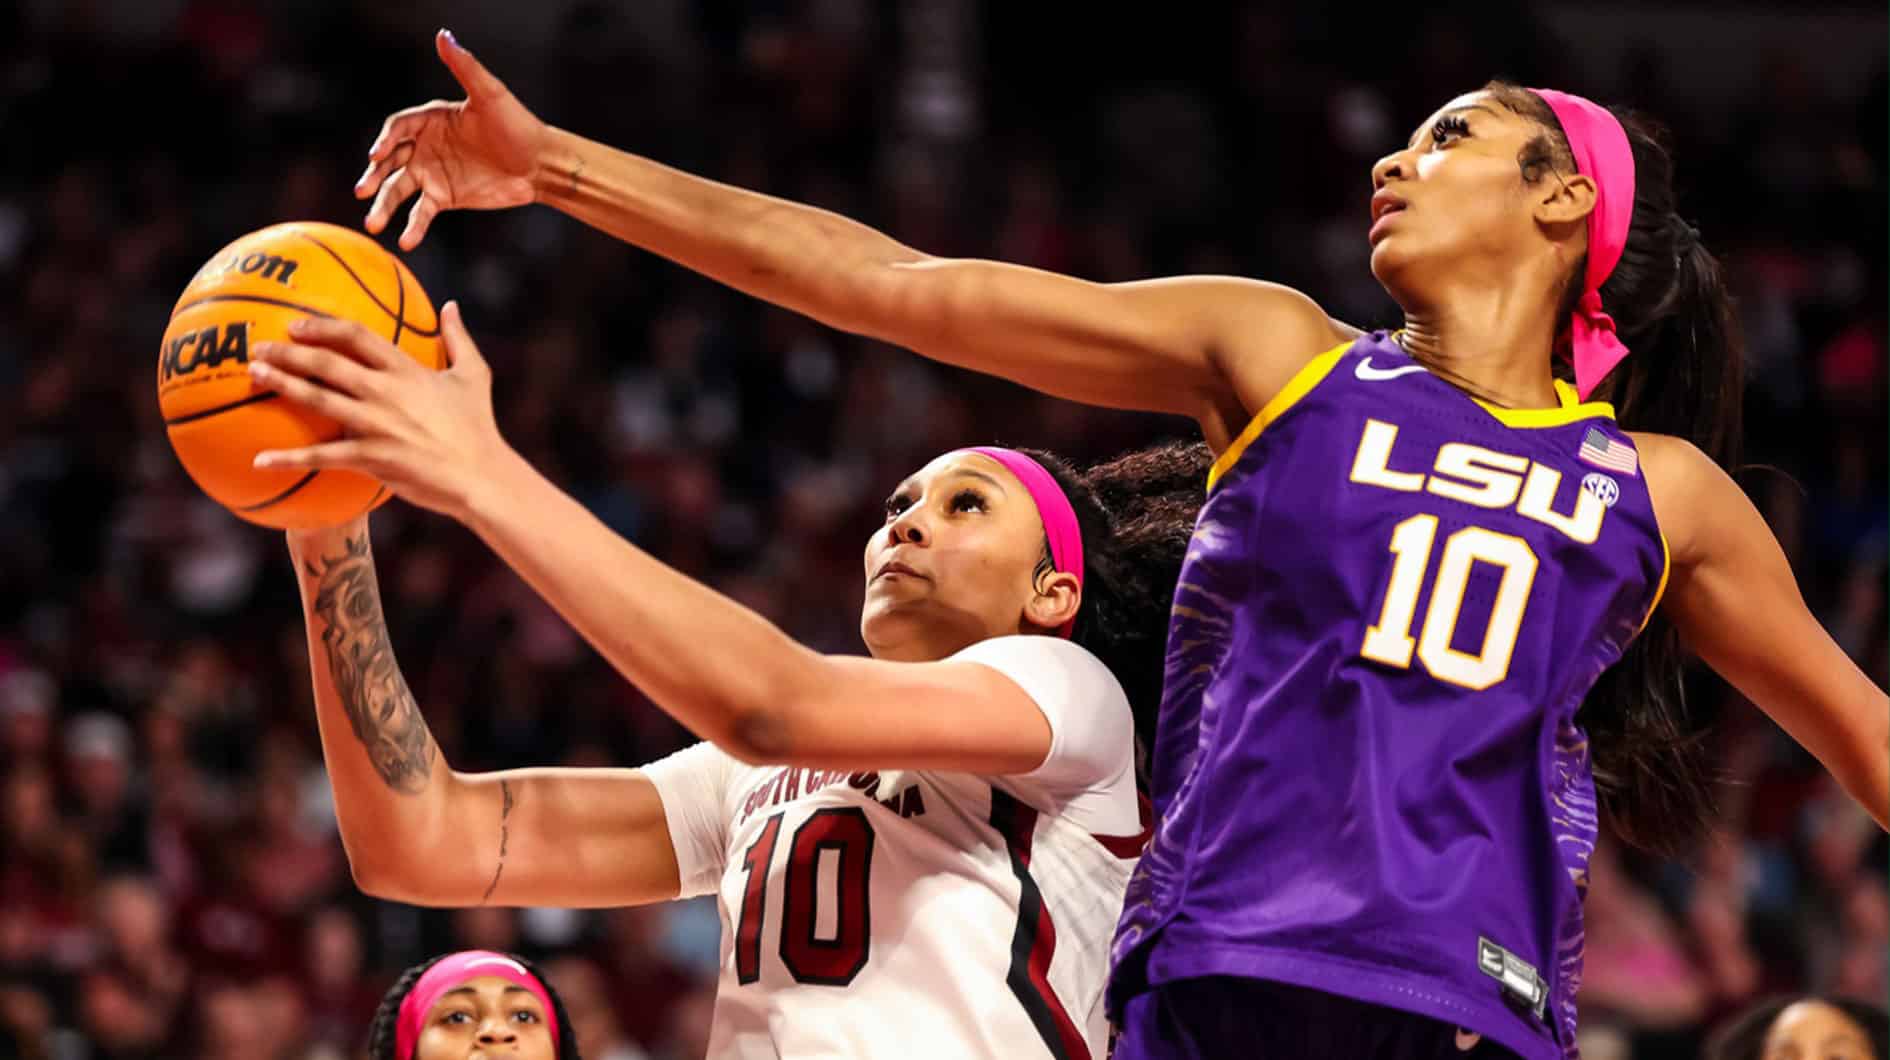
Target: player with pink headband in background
{"x":1428,"y":636}
{"x":930,"y":845}
{"x":471,"y":1003}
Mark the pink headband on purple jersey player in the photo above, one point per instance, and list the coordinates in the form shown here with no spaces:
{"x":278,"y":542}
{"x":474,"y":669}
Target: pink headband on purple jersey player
{"x":453,"y":971}
{"x":1602,"y":153}
{"x":1053,"y":507}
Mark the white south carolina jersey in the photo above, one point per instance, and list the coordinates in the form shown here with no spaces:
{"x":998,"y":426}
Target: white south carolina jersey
{"x":918,"y":914}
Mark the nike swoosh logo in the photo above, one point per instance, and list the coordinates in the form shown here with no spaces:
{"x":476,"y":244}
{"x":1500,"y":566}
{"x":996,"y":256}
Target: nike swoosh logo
{"x":1366,"y":372}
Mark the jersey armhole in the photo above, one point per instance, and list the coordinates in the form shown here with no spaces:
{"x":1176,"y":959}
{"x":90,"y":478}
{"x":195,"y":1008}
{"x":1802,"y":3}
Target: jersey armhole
{"x":1297,"y":387}
{"x":1660,"y":590}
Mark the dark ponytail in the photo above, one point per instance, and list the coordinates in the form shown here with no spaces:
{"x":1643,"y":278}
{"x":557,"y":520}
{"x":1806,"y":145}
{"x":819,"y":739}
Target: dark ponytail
{"x":381,"y":1030}
{"x":1685,"y":378}
{"x":1136,"y":513}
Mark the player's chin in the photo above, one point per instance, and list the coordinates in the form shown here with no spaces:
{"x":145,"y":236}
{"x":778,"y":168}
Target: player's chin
{"x":1392,"y":263}
{"x":890,"y":615}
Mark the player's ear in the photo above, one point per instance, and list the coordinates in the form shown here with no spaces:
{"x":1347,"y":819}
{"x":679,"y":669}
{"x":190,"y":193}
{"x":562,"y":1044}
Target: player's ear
{"x":1055,"y":601}
{"x":1567,"y":201}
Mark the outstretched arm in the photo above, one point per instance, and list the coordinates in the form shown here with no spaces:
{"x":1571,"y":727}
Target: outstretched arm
{"x":415,"y":830}
{"x":1732,"y":596}
{"x":1213,"y":348}
{"x":722,"y":670}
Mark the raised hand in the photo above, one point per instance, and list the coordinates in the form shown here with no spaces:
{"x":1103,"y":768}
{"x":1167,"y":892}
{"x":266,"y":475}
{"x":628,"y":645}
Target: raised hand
{"x":430,"y":436}
{"x":477,"y":153}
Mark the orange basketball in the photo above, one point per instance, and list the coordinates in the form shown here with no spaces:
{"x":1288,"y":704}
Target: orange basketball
{"x":248,"y":293}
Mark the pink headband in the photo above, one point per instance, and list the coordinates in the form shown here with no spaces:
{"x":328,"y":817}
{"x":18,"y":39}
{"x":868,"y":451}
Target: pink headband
{"x":1053,"y":507}
{"x":1601,"y":151}
{"x":453,"y":971}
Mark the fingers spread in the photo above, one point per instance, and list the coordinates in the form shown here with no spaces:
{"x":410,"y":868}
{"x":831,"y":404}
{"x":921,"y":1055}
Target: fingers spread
{"x":334,"y":404}
{"x":353,"y":454}
{"x":317,"y":365}
{"x":395,"y":190}
{"x":419,"y":219}
{"x":378,"y":168}
{"x":402,"y":126}
{"x":347,"y":337}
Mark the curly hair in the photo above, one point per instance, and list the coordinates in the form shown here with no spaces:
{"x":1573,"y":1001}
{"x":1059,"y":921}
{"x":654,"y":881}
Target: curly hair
{"x":1136,"y":513}
{"x":380,"y":1038}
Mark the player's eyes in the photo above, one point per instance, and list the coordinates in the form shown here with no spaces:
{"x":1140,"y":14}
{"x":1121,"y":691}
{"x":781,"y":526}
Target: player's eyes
{"x":897,"y":503}
{"x":525,"y":1016}
{"x":1448,"y":128}
{"x":968,"y":500}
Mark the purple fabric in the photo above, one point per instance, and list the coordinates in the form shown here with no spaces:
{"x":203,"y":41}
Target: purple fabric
{"x":1345,"y":824}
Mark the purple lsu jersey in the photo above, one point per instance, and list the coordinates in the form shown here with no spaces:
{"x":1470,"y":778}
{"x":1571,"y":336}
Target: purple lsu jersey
{"x":1367,"y":771}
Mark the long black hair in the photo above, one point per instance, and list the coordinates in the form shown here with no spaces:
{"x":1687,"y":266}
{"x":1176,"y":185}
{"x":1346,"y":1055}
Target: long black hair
{"x":1670,"y":305}
{"x":1136,"y":514}
{"x":1744,"y":1038}
{"x":380,"y":1043}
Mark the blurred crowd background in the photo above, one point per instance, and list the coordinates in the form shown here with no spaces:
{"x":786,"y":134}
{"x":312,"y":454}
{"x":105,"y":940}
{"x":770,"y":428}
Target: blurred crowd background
{"x":170,"y":879}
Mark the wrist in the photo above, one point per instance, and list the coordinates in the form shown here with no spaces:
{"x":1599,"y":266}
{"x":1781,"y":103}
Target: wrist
{"x":316,"y":541}
{"x":503,"y":481}
{"x":558,"y":165}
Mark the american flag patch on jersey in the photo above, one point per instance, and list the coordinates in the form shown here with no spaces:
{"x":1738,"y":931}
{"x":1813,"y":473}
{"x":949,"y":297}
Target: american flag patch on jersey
{"x":1600,"y":450}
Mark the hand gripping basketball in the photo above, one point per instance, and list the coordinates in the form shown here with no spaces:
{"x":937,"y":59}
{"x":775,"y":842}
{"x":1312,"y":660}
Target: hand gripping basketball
{"x":430,"y":436}
{"x":478,"y":153}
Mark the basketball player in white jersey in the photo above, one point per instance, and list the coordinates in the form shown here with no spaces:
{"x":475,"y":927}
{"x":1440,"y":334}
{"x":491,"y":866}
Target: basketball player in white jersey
{"x":919,"y":854}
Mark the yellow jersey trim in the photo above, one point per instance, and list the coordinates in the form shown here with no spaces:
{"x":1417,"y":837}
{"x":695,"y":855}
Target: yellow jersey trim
{"x":1572,"y":409}
{"x":1666,"y":568}
{"x":1297,"y":387}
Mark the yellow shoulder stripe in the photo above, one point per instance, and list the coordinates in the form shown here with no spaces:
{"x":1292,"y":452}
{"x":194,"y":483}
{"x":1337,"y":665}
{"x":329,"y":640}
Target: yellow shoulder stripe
{"x":1666,"y":568}
{"x":1297,"y":387}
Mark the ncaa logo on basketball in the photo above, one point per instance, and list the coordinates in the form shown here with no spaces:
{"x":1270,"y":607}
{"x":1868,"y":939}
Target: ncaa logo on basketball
{"x":1605,"y":489}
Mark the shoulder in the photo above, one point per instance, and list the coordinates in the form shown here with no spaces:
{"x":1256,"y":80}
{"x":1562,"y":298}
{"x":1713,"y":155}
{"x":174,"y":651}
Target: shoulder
{"x":1685,"y":486}
{"x":1051,"y":661}
{"x":1079,"y":696}
{"x":1262,"y":335}
{"x":1092,"y":732}
{"x":702,"y":768}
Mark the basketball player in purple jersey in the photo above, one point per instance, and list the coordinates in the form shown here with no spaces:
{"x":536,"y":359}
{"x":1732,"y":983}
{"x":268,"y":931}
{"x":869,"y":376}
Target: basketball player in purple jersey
{"x":1428,"y":634}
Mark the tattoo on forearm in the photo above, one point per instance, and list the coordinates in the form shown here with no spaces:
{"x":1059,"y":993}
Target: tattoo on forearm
{"x":505,"y":835}
{"x":381,"y":710}
{"x":575,"y":170}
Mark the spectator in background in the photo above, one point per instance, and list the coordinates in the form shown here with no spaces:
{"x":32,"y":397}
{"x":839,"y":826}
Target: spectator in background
{"x":440,"y":1008}
{"x":136,"y":953}
{"x":1805,"y":1028}
{"x":341,"y":1000}
{"x":26,"y":1020}
{"x":1637,"y":973}
{"x":107,"y":810}
{"x":594,"y":1016}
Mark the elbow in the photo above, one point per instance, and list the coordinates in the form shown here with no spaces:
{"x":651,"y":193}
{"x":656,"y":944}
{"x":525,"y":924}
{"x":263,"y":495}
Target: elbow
{"x":890,"y":299}
{"x":406,"y":873}
{"x":408,"y":885}
{"x":766,"y":721}
{"x":380,"y":878}
{"x":760,"y":737}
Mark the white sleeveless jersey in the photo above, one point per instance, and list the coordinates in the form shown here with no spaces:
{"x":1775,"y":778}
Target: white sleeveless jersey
{"x":916,"y":914}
